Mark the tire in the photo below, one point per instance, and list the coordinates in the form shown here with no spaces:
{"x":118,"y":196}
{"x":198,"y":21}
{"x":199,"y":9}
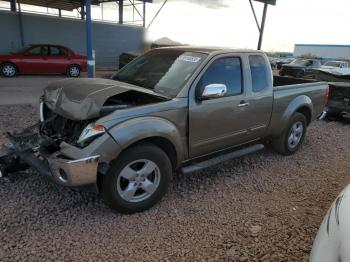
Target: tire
{"x":73,"y":71}
{"x":122,"y":176}
{"x":9,"y":70}
{"x":284,"y":144}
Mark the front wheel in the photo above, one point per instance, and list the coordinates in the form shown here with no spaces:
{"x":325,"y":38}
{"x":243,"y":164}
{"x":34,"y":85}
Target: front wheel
{"x":293,"y":137}
{"x":73,"y":71}
{"x":138,"y":179}
{"x":8,"y":70}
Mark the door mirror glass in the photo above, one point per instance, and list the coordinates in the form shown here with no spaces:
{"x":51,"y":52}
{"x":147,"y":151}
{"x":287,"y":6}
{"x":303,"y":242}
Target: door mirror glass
{"x":213,"y":91}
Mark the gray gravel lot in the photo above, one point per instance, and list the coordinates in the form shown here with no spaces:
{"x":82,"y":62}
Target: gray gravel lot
{"x":263,"y":207}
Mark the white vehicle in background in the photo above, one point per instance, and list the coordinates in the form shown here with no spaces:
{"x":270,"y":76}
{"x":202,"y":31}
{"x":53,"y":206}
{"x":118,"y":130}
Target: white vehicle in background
{"x":332,"y":243}
{"x":335,"y":65}
{"x":333,"y":71}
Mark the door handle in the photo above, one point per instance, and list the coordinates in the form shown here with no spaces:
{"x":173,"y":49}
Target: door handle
{"x":243,"y":104}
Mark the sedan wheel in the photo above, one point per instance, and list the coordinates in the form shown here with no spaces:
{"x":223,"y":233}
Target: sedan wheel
{"x":9,"y":70}
{"x":74,"y":71}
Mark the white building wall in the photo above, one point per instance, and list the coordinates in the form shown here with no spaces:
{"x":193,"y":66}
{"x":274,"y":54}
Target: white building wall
{"x":323,"y":51}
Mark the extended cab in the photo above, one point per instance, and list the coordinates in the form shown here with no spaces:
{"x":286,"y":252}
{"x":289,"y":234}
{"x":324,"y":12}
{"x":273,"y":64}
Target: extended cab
{"x":171,"y":109}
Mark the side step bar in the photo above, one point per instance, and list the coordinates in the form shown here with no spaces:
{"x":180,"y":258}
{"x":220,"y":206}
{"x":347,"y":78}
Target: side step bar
{"x":222,"y":158}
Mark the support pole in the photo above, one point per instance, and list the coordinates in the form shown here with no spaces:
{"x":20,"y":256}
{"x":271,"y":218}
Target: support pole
{"x":144,"y":14}
{"x":90,"y":60}
{"x":82,"y":10}
{"x":20,"y":23}
{"x":13,"y":5}
{"x":59,"y":13}
{"x":121,"y":9}
{"x":262,"y":27}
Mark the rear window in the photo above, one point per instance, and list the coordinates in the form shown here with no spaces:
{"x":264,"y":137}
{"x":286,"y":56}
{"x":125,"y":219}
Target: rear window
{"x":259,"y":73}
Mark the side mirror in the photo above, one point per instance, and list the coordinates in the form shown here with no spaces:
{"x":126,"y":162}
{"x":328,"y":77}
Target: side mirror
{"x":213,"y":91}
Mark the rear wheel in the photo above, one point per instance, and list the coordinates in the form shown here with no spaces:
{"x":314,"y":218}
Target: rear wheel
{"x":73,"y":71}
{"x":8,"y":70}
{"x":138,"y":179}
{"x":293,"y":137}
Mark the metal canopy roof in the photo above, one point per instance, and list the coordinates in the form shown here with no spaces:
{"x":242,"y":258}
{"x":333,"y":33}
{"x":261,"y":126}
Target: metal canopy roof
{"x":67,"y":5}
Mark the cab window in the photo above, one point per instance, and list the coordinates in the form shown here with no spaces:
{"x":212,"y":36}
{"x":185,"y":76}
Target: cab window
{"x":259,"y":73}
{"x":228,"y":71}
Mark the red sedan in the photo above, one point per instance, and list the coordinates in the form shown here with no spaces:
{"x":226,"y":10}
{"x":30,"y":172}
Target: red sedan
{"x":43,"y":59}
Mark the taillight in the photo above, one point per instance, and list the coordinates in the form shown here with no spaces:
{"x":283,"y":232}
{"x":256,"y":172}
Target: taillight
{"x":326,"y":97}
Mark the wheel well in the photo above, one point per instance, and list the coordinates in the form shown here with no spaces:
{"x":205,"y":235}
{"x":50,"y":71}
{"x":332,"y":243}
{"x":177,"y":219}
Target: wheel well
{"x":306,"y":112}
{"x":163,"y":144}
{"x":74,"y":65}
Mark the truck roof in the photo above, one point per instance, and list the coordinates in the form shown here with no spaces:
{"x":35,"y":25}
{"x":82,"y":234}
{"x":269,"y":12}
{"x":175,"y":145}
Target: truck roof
{"x":210,"y":50}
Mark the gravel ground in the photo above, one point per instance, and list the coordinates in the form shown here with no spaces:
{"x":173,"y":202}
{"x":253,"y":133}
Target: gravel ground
{"x":262,"y":207}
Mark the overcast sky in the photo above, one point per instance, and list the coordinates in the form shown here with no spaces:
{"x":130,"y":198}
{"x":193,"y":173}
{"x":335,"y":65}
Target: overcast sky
{"x":231,"y":22}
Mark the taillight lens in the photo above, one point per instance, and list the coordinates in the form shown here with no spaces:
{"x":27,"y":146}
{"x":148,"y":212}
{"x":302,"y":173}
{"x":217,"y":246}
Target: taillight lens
{"x":326,"y":97}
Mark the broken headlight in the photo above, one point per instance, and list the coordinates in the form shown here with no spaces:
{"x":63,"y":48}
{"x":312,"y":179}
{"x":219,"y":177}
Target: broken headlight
{"x":91,"y":131}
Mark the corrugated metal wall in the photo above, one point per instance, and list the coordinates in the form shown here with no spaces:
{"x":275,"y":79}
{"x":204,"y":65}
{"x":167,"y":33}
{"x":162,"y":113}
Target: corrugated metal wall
{"x":109,"y":40}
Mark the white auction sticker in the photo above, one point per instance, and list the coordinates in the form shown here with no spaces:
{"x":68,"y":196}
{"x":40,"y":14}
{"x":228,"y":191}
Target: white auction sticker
{"x":187,"y":58}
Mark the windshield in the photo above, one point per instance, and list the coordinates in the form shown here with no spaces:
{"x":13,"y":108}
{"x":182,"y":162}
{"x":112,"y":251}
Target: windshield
{"x":163,"y":71}
{"x":333,"y":64}
{"x":301,"y":62}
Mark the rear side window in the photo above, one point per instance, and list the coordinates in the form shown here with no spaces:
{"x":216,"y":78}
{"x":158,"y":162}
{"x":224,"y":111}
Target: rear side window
{"x":226,"y":71}
{"x":58,"y":51}
{"x":259,"y":73}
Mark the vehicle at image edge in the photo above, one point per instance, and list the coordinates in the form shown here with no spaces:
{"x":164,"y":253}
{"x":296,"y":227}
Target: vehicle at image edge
{"x":43,"y":59}
{"x":333,"y":238}
{"x":170,"y":109}
{"x":300,"y":68}
{"x":339,"y":100}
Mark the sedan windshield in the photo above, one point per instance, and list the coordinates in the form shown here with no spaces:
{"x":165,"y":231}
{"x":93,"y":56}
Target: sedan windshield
{"x":163,"y":71}
{"x":333,"y":64}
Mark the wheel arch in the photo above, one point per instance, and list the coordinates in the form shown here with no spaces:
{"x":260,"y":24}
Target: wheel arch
{"x":157,"y":131}
{"x":280,"y":119}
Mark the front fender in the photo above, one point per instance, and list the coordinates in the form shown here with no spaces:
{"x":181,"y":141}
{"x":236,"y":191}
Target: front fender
{"x":137,"y":129}
{"x":281,"y":117}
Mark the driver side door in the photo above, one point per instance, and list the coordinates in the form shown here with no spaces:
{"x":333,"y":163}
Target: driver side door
{"x":218,"y":123}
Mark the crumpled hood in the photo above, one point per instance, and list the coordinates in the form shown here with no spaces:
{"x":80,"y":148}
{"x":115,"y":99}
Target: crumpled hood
{"x":82,"y":99}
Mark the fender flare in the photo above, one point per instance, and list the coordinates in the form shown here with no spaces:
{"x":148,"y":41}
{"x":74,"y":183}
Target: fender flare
{"x":282,"y":120}
{"x":137,"y":129}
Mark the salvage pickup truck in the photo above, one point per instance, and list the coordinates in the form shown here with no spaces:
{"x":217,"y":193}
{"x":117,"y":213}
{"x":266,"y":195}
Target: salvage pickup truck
{"x":171,"y":109}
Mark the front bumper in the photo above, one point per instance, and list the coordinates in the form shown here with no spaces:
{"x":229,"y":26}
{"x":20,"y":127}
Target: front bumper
{"x":73,"y":173}
{"x":29,"y":150}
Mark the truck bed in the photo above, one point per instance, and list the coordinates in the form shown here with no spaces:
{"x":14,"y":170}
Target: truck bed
{"x":285,"y":81}
{"x":291,"y":93}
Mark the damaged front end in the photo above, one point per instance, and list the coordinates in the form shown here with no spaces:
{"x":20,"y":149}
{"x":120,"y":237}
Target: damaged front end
{"x":30,"y":148}
{"x":69,"y":145}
